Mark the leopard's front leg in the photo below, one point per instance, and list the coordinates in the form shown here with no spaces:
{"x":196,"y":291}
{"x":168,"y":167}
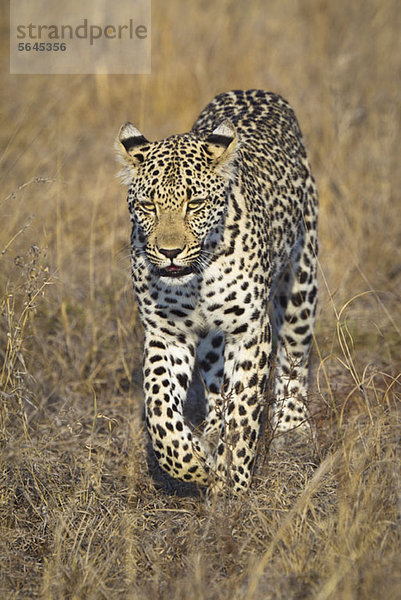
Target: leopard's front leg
{"x":244,"y":388}
{"x":168,"y":366}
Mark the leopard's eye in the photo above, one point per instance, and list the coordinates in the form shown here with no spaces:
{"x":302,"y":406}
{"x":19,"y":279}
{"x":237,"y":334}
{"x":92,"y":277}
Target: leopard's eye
{"x":196,"y":204}
{"x":147,"y":206}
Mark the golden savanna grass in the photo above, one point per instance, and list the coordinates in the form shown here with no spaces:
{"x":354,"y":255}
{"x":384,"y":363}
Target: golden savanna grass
{"x":84,"y":512}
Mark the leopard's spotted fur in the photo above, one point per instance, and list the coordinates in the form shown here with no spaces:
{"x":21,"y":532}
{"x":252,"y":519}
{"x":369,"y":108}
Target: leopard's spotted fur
{"x":224,"y":224}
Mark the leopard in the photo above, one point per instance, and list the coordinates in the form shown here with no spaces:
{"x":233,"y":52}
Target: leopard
{"x":224,"y":267}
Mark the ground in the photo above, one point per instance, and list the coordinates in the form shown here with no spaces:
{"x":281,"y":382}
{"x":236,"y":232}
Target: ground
{"x":84,"y":511}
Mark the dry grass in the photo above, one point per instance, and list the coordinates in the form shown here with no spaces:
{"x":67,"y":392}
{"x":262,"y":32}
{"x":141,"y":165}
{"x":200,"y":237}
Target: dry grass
{"x":82,"y":513}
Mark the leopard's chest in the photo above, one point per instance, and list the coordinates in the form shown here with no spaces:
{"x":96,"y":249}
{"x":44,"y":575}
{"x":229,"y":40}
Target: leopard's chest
{"x":231,"y":297}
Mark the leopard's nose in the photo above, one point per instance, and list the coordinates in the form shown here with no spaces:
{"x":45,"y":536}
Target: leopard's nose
{"x":170,"y":253}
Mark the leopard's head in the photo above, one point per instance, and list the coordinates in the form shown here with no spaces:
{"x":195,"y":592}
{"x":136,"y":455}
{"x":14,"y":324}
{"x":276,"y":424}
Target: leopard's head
{"x":178,"y":192}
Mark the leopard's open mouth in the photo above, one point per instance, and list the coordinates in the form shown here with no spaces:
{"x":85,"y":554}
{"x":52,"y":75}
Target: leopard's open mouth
{"x":175,"y":271}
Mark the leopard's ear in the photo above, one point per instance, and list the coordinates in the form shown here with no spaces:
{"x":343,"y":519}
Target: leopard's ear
{"x":132,"y":148}
{"x":221,"y":145}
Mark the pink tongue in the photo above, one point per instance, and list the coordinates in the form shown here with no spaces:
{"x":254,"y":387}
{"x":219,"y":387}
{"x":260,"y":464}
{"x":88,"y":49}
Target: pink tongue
{"x":173,"y":268}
